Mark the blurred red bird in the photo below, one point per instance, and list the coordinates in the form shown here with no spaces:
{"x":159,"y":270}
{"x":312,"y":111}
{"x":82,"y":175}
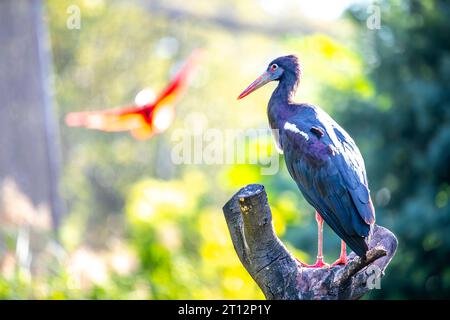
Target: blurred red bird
{"x":141,"y":121}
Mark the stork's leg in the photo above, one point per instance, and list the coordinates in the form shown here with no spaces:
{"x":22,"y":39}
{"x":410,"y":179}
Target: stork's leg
{"x":343,"y":256}
{"x":319,"y":262}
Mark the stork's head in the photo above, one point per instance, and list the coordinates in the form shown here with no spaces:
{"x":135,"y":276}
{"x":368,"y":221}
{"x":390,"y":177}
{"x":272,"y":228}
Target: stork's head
{"x":278,"y":69}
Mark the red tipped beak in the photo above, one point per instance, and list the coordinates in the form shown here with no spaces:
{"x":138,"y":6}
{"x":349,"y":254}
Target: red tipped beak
{"x":258,"y":83}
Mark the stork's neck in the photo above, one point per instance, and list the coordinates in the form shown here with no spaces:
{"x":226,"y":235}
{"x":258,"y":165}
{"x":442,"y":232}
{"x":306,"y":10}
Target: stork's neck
{"x":282,"y":97}
{"x":287,"y":86}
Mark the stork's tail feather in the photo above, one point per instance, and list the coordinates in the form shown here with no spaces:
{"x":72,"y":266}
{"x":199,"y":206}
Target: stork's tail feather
{"x":358,"y":245}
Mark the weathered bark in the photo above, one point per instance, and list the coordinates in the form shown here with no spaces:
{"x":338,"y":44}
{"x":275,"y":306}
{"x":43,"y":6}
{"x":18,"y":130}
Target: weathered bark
{"x":279,"y":274}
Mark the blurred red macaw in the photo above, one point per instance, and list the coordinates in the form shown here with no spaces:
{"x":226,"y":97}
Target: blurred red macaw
{"x":142,"y":121}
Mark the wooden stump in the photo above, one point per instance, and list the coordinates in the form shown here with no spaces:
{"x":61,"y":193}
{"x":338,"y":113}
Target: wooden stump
{"x":279,"y":274}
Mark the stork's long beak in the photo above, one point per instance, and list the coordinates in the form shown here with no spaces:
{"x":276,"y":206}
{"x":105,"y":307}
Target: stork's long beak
{"x":258,"y":83}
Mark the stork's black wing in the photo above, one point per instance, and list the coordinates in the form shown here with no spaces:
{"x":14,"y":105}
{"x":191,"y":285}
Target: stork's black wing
{"x":329,"y":170}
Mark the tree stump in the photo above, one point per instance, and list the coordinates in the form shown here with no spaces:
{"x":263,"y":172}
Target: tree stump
{"x":279,"y":274}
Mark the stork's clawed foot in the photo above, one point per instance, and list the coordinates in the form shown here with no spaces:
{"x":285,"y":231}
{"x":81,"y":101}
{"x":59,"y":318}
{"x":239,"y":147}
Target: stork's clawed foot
{"x":319,"y":264}
{"x":342,"y":257}
{"x":301,"y":262}
{"x":341,"y":261}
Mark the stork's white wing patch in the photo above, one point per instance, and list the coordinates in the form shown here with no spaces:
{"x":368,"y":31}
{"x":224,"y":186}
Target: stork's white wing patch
{"x":293,"y":128}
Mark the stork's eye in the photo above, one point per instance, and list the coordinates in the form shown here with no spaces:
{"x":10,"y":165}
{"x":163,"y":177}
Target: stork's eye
{"x":273,"y":67}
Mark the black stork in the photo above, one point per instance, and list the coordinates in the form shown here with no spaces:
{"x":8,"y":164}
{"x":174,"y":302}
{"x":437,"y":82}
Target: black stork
{"x":322,"y":158}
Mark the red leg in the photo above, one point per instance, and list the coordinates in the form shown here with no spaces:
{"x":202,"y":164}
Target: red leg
{"x":343,"y":256}
{"x":319,"y":262}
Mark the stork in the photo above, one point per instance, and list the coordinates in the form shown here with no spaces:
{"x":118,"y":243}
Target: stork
{"x":322,"y":159}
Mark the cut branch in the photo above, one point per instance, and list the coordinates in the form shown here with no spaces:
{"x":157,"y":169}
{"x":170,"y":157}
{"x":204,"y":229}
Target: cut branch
{"x":278,"y":273}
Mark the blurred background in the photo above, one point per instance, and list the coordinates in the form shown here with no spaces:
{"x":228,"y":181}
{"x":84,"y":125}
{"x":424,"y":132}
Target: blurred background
{"x":93,"y":215}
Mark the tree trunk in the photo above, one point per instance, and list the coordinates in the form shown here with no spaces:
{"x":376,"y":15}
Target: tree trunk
{"x":29,"y":156}
{"x":279,"y":274}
